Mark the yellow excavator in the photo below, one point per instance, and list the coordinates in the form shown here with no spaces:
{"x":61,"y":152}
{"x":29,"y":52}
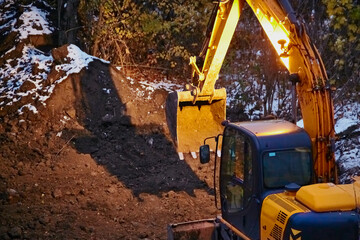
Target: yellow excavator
{"x":276,"y":180}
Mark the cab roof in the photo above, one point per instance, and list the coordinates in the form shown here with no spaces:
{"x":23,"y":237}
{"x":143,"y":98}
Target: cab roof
{"x":269,"y":127}
{"x":274,"y":134}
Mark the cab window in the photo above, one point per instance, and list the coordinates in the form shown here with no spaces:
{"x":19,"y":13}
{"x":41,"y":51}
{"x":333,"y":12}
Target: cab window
{"x":236,"y":170}
{"x":284,"y":167}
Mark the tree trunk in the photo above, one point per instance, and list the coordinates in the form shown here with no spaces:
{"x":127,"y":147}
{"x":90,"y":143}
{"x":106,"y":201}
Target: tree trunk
{"x":68,"y":23}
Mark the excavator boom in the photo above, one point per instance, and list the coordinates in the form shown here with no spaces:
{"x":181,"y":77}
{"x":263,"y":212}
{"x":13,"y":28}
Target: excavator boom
{"x":201,"y":108}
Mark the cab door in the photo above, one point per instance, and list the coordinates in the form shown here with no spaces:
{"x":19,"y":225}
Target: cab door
{"x":238,"y":204}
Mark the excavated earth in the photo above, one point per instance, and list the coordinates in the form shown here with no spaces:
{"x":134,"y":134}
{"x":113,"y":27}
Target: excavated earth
{"x":97,"y":165}
{"x":96,"y":162}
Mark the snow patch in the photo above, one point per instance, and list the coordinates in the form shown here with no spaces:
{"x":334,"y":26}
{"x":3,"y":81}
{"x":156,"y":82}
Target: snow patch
{"x":28,"y":106}
{"x":19,"y":72}
{"x":33,"y":23}
{"x":164,"y":84}
{"x":78,"y":60}
{"x":300,"y":123}
{"x":346,"y":116}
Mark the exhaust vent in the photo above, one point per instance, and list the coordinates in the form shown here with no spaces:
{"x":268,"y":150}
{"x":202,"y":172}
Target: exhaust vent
{"x":281,"y":217}
{"x":276,"y":232}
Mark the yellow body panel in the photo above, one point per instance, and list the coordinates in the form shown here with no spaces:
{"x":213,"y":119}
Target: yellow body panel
{"x":275,"y":213}
{"x":356,"y":190}
{"x":325,"y":197}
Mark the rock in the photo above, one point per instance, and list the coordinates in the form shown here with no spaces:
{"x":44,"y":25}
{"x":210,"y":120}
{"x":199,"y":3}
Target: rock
{"x":143,"y":235}
{"x":44,"y":220}
{"x":57,"y":193}
{"x":82,"y":192}
{"x":15,"y":232}
{"x":40,"y":40}
{"x":26,"y":86}
{"x":170,"y":194}
{"x":56,"y":210}
{"x":54,"y":75}
{"x":71,"y":113}
{"x":111,"y":189}
{"x":86,"y":229}
{"x":38,"y":151}
{"x":21,"y":172}
{"x":135,"y":224}
{"x":12,"y":192}
{"x":108,"y":118}
{"x":20,"y":164}
{"x":60,"y":54}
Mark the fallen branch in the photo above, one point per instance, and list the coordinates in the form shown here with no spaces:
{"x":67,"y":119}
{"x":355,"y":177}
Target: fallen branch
{"x":57,"y":154}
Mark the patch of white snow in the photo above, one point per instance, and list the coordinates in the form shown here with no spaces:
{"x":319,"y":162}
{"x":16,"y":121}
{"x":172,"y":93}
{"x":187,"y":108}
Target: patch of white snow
{"x":34,"y":22}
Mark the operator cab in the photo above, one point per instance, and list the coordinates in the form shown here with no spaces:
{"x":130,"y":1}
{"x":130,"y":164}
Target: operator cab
{"x":282,"y":151}
{"x":275,"y":152}
{"x":257,"y":159}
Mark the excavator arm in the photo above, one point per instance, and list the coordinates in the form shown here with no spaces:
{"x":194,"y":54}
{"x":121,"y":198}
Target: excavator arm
{"x":289,"y":37}
{"x":227,"y":16}
{"x":196,"y":114}
{"x":291,"y":41}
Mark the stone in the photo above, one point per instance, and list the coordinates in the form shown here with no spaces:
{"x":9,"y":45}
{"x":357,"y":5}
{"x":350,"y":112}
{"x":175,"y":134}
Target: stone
{"x":71,"y":113}
{"x":111,"y":190}
{"x":57,"y":193}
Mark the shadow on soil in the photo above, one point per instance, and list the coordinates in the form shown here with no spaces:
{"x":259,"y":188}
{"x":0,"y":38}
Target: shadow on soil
{"x":145,"y":162}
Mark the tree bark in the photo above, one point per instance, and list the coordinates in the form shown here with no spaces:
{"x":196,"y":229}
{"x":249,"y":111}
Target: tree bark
{"x":68,"y":23}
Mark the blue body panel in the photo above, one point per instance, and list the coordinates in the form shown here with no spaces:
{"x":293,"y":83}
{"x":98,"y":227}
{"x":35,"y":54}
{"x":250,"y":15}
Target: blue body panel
{"x":319,"y":226}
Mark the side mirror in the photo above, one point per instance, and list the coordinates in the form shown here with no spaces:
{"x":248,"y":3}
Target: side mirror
{"x":204,"y":154}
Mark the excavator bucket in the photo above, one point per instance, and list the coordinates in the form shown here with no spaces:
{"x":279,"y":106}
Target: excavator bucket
{"x":190,"y":123}
{"x":200,"y":230}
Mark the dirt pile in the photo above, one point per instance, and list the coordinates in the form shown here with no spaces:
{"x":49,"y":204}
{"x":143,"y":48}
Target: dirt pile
{"x":85,"y":152}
